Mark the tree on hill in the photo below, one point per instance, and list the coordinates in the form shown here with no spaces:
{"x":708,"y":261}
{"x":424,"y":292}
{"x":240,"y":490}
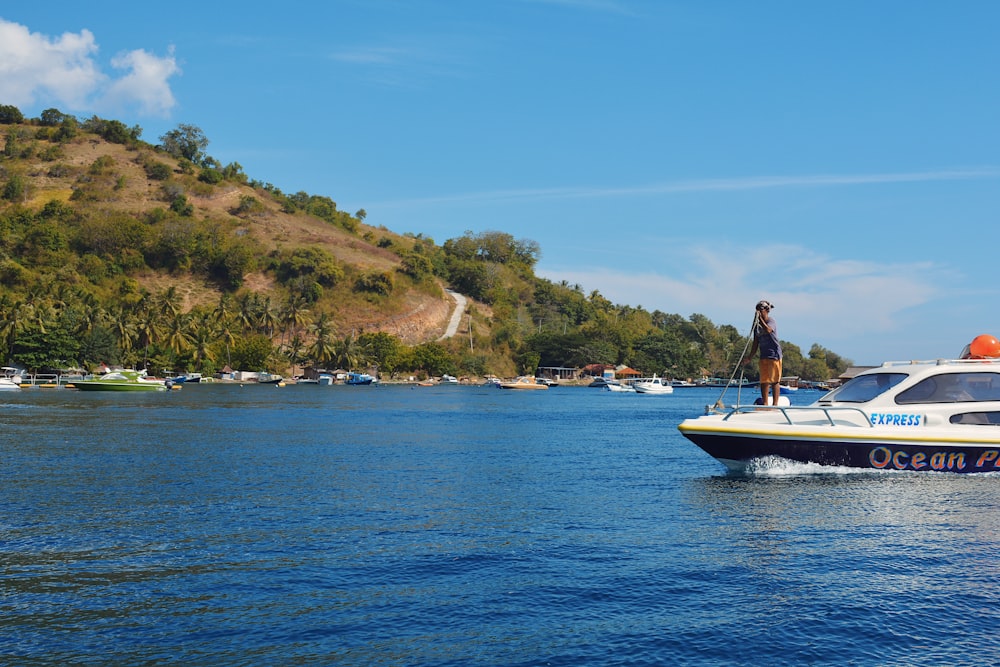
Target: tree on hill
{"x":187,"y":142}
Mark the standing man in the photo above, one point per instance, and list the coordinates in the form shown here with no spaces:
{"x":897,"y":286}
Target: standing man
{"x":765,"y":337}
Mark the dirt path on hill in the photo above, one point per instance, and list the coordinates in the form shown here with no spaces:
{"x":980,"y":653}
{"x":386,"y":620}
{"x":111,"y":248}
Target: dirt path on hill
{"x":456,"y":316}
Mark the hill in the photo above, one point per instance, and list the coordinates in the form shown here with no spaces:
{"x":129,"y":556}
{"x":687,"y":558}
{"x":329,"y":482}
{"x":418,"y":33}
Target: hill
{"x":115,"y":250}
{"x":416,"y":316}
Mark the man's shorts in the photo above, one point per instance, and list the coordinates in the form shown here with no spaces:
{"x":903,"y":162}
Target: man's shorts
{"x":770,"y":371}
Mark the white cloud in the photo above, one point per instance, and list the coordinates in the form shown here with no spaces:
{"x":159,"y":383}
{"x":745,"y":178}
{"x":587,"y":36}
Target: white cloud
{"x":817,"y":298}
{"x":63,"y":71}
{"x":34,"y":66}
{"x":146,"y":83}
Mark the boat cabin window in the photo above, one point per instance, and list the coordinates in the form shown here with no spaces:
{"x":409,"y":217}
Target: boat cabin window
{"x":864,"y":388}
{"x":953,"y":388}
{"x":982,"y":418}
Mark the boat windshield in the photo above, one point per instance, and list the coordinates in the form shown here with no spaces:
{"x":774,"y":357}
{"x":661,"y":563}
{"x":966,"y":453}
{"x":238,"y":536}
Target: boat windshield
{"x":953,"y":388}
{"x":864,"y":388}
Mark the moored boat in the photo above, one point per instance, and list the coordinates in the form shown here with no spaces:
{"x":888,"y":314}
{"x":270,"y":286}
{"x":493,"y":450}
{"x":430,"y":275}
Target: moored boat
{"x":11,"y":379}
{"x":620,"y":388}
{"x":940,"y":415}
{"x":269,"y":378}
{"x":653,"y":385}
{"x":523,"y":382}
{"x":126,"y":380}
{"x":358,"y":378}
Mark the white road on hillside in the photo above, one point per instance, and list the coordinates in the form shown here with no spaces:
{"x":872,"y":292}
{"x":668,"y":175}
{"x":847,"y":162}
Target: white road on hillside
{"x":456,"y":316}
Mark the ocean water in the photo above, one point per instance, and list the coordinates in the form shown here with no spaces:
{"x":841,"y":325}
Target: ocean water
{"x":306,"y":525}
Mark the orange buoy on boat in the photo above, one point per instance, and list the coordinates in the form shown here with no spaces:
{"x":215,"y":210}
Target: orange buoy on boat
{"x":984,"y":346}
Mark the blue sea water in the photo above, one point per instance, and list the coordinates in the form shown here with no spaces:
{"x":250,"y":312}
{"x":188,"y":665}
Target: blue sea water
{"x":306,"y":525}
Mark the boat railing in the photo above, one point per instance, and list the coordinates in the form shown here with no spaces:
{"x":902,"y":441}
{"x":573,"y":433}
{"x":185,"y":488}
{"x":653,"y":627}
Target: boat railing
{"x":787,"y":411}
{"x":47,"y":379}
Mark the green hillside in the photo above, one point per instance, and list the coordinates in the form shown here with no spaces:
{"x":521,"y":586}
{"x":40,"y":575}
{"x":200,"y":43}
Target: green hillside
{"x":115,"y":250}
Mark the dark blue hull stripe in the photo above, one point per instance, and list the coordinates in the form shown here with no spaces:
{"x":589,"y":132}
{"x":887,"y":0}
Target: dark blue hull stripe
{"x":854,"y":454}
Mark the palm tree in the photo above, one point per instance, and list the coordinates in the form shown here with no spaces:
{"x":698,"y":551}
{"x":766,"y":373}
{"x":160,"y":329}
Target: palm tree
{"x":123,"y":326}
{"x":296,"y":346}
{"x":12,"y":323}
{"x":147,"y":332}
{"x":169,"y":302}
{"x":202,"y":340}
{"x":224,"y":323}
{"x":268,"y":318}
{"x":322,"y":349}
{"x":247,"y":315}
{"x":178,"y":338}
{"x":347,"y":352}
{"x":294,"y":315}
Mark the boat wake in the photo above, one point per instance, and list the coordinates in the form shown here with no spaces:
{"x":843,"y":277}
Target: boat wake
{"x":776,"y":466}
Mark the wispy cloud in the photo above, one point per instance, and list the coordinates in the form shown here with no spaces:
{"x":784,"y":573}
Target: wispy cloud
{"x":704,"y":185}
{"x":403,"y":62}
{"x":591,"y":5}
{"x":372,"y":55}
{"x":63,"y":70}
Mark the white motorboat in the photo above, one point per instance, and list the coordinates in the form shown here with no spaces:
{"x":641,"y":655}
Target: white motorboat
{"x":11,"y":379}
{"x":620,"y":388}
{"x":653,"y":385}
{"x":941,"y":415}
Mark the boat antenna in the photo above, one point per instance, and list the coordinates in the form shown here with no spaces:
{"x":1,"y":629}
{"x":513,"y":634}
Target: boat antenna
{"x":739,"y":364}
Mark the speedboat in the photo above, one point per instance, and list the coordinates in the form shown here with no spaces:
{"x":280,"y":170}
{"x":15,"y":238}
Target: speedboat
{"x":523,"y":382}
{"x":941,"y":415}
{"x":11,"y":379}
{"x":126,"y":380}
{"x":653,"y":385}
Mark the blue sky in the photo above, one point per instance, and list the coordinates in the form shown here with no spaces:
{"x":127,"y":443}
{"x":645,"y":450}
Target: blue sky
{"x":839,"y":159}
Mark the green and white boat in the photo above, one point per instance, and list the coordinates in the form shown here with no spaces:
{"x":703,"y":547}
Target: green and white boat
{"x":121,"y":381}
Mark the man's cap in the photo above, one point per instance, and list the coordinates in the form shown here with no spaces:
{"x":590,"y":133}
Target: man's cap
{"x":765,"y":305}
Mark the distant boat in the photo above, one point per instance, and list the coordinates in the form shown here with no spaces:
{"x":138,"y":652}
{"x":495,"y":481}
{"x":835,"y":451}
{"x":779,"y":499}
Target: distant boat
{"x":359,"y":378}
{"x":188,"y":378}
{"x":11,"y":379}
{"x":449,"y":379}
{"x":723,"y":382}
{"x":653,"y":385}
{"x":523,"y":382}
{"x":269,"y":378}
{"x":127,"y":380}
{"x":620,"y":388}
